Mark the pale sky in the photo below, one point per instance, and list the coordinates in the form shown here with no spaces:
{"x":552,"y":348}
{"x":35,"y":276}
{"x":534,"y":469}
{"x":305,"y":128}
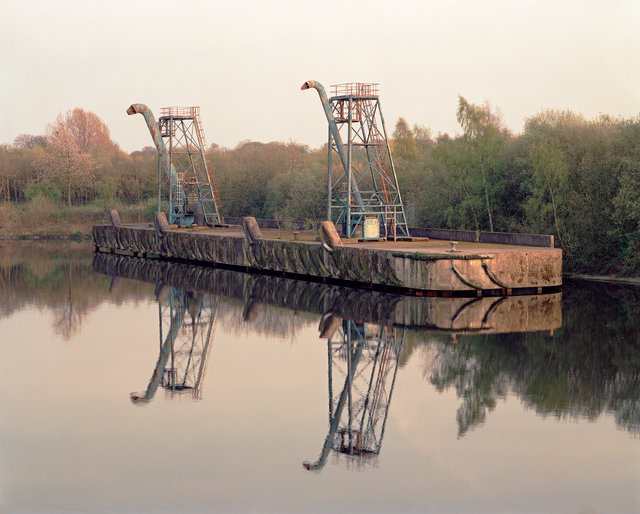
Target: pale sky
{"x":243,"y":61}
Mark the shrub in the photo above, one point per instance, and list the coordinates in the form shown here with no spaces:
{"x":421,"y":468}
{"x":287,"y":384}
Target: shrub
{"x":34,"y":189}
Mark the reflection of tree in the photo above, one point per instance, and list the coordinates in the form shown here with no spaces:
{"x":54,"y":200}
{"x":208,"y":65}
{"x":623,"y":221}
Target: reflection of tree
{"x":588,"y":367}
{"x":59,"y":278}
{"x":477,"y":382}
{"x":67,"y":321}
{"x":243,"y":317}
{"x":68,"y":318}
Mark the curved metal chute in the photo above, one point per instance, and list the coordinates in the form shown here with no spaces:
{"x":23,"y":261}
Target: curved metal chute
{"x":335,"y":132}
{"x":154,"y":129}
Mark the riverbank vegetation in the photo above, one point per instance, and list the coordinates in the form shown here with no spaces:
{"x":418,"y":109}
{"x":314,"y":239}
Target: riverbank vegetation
{"x":564,"y":175}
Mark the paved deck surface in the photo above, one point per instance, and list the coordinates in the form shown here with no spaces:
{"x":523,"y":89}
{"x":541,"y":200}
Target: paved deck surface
{"x":419,"y":245}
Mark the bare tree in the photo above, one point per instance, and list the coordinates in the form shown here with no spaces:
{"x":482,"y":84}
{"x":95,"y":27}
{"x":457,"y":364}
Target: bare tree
{"x":5,"y":163}
{"x":65,"y":164}
{"x":88,"y":130}
{"x":29,"y":141}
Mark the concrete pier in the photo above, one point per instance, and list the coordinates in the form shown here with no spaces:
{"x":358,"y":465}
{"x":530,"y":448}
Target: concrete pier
{"x":421,"y":266}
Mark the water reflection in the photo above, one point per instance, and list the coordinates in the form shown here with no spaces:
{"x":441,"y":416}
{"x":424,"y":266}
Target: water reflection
{"x":363,"y":362}
{"x":185,"y":328}
{"x":575,"y":356}
{"x":58,"y":276}
{"x":484,"y":348}
{"x":36,"y":272}
{"x":589,"y":367}
{"x":486,"y":315}
{"x":297,"y":375}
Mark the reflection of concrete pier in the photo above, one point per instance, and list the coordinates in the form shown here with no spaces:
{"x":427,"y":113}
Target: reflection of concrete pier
{"x":479,"y":315}
{"x":365,"y":332}
{"x":416,"y":266}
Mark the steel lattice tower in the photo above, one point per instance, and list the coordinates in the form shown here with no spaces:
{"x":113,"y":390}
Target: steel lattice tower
{"x":366,"y":185}
{"x":189,"y":187}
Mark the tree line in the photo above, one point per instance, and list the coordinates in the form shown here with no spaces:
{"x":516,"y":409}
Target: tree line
{"x":575,"y":178}
{"x":74,"y":163}
{"x":565,"y":175}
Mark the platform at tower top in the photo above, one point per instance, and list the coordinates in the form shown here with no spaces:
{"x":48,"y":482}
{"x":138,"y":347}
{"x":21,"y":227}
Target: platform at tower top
{"x":180,"y":112}
{"x":366,"y":89}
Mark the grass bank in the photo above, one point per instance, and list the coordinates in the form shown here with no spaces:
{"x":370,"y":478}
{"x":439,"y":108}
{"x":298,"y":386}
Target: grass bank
{"x":42,"y":218}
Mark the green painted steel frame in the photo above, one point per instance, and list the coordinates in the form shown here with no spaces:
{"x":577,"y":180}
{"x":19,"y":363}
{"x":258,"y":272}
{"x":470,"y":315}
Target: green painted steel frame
{"x":370,"y":170}
{"x":186,"y":156}
{"x":368,"y":184}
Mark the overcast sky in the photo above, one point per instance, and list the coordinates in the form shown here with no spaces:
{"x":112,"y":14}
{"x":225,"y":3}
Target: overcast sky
{"x":243,"y":61}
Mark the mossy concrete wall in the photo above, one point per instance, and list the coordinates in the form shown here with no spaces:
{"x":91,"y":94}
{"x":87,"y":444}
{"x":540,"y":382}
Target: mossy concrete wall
{"x":421,"y":271}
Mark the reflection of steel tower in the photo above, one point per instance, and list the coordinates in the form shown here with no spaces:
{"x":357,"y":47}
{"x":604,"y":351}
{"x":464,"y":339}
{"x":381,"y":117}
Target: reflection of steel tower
{"x":190,"y":191}
{"x":364,"y":358}
{"x":366,"y":186}
{"x":186,"y":327}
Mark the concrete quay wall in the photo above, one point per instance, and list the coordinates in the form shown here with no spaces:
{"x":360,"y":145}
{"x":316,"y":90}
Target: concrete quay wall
{"x":492,"y":269}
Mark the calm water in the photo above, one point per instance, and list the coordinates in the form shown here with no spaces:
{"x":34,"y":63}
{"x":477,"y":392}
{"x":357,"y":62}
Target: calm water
{"x":133,"y":386}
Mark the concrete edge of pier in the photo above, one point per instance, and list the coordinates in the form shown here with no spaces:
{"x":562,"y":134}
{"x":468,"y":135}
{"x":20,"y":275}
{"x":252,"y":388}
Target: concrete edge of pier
{"x":477,"y":269}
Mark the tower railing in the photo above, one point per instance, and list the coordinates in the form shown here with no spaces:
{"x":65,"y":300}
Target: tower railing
{"x":355,"y":89}
{"x":180,"y":112}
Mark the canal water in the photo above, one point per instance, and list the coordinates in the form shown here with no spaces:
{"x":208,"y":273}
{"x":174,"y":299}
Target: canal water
{"x":142,"y":386}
